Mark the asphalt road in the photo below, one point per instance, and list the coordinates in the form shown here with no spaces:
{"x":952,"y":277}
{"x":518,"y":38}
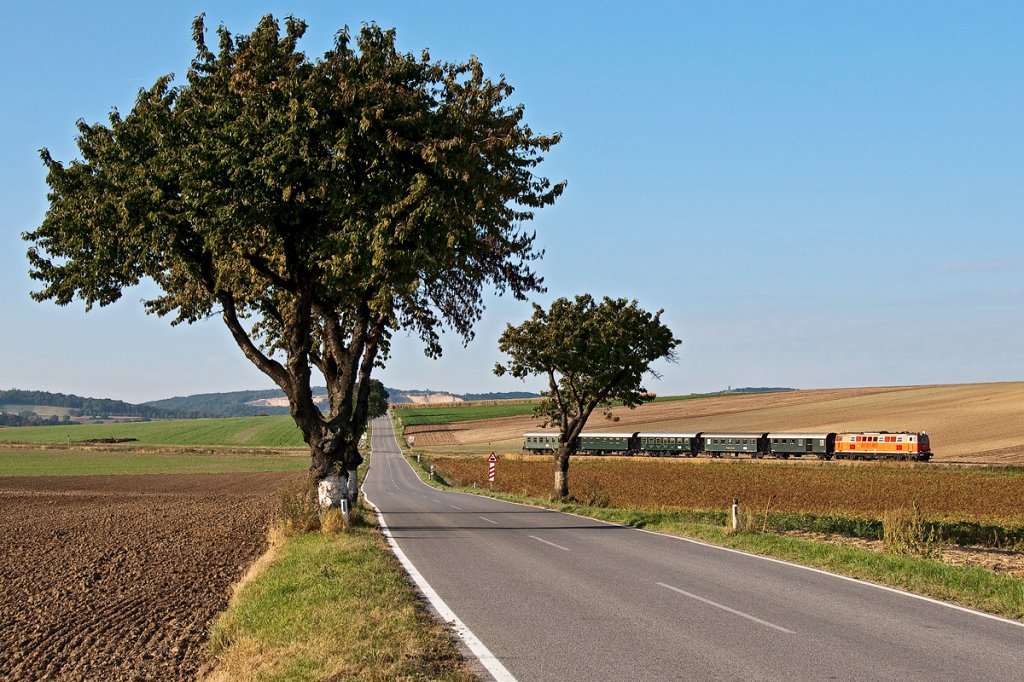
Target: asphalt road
{"x":558,"y":597}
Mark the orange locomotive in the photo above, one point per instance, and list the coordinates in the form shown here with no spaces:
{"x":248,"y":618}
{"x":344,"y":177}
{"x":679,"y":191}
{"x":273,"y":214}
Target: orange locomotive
{"x":883,"y":445}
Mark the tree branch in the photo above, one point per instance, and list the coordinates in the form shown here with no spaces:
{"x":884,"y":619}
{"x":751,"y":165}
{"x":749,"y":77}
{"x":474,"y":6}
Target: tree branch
{"x":268,"y":366}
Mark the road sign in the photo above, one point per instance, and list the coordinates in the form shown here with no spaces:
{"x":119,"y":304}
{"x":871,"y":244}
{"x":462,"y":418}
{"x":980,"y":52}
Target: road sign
{"x":493,"y":458}
{"x":492,"y":463}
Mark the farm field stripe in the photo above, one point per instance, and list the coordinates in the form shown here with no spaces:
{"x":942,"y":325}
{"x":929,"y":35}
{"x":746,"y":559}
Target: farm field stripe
{"x":478,"y":648}
{"x":727,"y":609}
{"x":547,"y":542}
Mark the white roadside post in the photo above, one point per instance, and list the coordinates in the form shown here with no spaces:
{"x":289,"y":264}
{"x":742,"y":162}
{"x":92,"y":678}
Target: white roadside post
{"x":492,"y":463}
{"x":431,"y":472}
{"x":735,"y":513}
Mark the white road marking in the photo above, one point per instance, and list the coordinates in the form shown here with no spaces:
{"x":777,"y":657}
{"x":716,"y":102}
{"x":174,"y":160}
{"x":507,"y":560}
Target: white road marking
{"x":548,"y":543}
{"x":479,"y":649}
{"x":489,"y":520}
{"x":454,"y":507}
{"x":727,"y":609}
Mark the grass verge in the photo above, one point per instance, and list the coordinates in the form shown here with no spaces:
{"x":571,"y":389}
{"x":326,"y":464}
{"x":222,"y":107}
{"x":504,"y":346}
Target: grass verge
{"x":329,"y":606}
{"x":972,"y":587}
{"x":335,"y":607}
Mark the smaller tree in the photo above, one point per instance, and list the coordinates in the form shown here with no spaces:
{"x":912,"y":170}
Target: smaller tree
{"x":593,"y":355}
{"x":378,"y":400}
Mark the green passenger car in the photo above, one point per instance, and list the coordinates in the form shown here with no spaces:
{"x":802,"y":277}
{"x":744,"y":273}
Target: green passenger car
{"x":541,"y":442}
{"x":735,"y":444}
{"x":784,"y":445}
{"x":605,"y":443}
{"x":667,"y":444}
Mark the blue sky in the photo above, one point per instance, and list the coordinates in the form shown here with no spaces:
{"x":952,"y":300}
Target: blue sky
{"x":818,"y":194}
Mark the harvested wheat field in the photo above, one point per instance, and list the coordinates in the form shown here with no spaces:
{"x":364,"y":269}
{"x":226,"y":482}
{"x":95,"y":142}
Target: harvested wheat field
{"x":981,"y":423}
{"x":119,"y":577}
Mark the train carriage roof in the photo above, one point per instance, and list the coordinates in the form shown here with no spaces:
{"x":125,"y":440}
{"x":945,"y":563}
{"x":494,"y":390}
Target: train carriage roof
{"x":780,"y":434}
{"x":543,"y":434}
{"x":595,"y":434}
{"x":656,"y":434}
{"x":733,"y":434}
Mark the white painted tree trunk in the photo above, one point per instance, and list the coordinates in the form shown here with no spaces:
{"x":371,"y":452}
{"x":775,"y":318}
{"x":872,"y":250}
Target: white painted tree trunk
{"x":330,"y":491}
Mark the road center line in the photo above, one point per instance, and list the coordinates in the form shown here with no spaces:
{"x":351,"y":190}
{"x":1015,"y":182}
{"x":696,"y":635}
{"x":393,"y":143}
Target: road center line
{"x":548,"y":543}
{"x":726,"y":608}
{"x":454,"y":507}
{"x":489,"y":520}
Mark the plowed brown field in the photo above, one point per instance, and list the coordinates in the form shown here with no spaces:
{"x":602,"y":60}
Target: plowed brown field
{"x":118,"y":577}
{"x":981,"y":423}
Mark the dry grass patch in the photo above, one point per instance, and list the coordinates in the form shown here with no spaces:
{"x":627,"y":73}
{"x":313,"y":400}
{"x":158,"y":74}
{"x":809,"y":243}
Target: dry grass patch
{"x":946,"y":493}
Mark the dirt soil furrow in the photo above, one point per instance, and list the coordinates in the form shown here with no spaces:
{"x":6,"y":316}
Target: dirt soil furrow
{"x":119,"y":577}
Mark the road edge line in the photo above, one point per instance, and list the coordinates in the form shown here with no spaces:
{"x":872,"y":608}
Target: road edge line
{"x":487,"y":659}
{"x":477,"y":647}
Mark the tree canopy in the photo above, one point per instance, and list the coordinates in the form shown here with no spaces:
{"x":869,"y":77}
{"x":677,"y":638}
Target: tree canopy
{"x":593,"y":355}
{"x":316,"y":206}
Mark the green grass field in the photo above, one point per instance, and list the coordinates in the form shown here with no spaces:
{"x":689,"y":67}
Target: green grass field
{"x":271,"y":432}
{"x":450,"y":413}
{"x":30,"y":462}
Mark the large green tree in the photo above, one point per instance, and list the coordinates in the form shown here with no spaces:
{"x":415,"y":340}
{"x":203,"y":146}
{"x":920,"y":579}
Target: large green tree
{"x":316,"y":206}
{"x":593,"y":354}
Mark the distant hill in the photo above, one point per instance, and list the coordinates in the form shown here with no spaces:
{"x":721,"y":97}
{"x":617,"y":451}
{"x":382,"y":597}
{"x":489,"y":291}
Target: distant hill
{"x":25,"y":408}
{"x":232,"y":404}
{"x":401,"y":396}
{"x":18,"y":403}
{"x":273,"y":401}
{"x":758,"y":389}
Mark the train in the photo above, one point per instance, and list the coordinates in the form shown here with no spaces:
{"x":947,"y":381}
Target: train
{"x":861,"y":445}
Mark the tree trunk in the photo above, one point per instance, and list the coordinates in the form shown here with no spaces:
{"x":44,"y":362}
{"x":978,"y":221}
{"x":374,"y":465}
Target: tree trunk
{"x":561,"y":490}
{"x":335,"y":461}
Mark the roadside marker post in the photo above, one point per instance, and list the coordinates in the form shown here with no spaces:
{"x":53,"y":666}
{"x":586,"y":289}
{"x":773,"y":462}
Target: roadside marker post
{"x":492,"y":464}
{"x":345,"y":512}
{"x":735,"y":513}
